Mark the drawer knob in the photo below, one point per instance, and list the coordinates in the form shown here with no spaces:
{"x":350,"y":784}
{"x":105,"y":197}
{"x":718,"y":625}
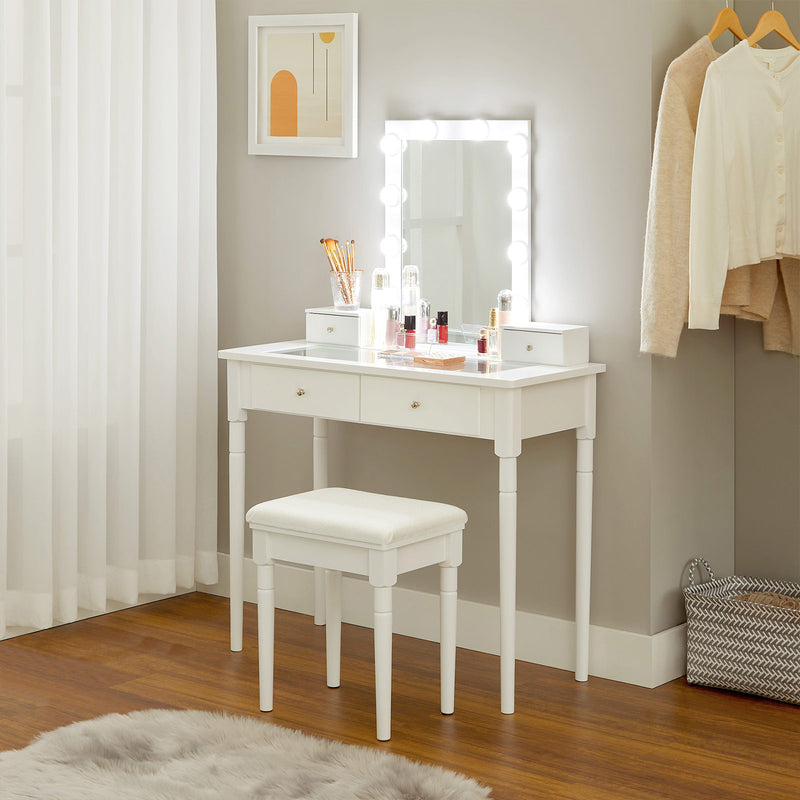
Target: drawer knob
{"x":529,"y":347}
{"x":416,"y":404}
{"x":329,"y":329}
{"x":301,"y":392}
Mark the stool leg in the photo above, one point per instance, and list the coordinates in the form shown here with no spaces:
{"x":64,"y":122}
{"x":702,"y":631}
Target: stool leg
{"x":266,"y":634}
{"x":383,"y":661}
{"x":333,"y":624}
{"x":448,"y":599}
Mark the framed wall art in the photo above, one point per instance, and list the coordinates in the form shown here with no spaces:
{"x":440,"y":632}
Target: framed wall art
{"x":303,"y":85}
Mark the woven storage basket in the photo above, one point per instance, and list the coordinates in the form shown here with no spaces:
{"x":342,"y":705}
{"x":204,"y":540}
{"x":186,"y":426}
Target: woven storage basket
{"x":741,"y":645}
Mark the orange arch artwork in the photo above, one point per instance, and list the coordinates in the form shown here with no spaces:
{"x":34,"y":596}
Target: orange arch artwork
{"x":283,"y":104}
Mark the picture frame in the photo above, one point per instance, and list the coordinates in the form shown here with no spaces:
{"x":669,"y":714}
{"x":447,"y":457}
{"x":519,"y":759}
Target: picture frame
{"x":303,"y":85}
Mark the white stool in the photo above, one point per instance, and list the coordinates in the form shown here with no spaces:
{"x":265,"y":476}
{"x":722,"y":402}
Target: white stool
{"x":343,"y":530}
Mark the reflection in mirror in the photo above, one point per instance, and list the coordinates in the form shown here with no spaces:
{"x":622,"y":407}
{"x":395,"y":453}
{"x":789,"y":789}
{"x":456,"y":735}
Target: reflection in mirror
{"x":457,"y":206}
{"x":456,"y":219}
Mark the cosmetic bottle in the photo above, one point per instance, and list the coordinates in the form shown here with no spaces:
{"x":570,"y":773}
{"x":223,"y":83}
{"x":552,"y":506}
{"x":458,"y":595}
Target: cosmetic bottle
{"x":483,"y":343}
{"x":392,"y":326}
{"x":492,"y":345}
{"x":380,"y":300}
{"x":504,"y":300}
{"x":441,"y":324}
{"x":401,"y":336}
{"x":504,"y":316}
{"x":410,"y":290}
{"x":411,"y":332}
{"x":423,"y":315}
{"x":432,"y":337}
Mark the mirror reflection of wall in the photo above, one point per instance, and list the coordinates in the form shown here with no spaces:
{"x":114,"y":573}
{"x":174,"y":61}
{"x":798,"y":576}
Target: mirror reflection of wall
{"x":457,"y":224}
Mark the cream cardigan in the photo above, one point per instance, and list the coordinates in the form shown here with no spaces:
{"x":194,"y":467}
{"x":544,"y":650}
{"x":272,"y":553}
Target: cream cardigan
{"x":665,"y":283}
{"x":745,"y":200}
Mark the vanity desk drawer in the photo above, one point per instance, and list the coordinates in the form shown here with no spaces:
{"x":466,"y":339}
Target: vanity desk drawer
{"x":306,"y":392}
{"x":422,"y":405}
{"x":329,"y":326}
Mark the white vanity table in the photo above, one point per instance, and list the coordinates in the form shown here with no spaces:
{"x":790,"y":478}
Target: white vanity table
{"x":501,"y":401}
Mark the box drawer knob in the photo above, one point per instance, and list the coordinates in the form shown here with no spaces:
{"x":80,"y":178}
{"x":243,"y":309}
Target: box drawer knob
{"x":529,"y":347}
{"x":301,"y":392}
{"x":329,"y":329}
{"x":415,"y":404}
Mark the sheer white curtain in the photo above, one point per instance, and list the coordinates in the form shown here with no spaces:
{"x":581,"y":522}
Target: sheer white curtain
{"x":107,"y":303}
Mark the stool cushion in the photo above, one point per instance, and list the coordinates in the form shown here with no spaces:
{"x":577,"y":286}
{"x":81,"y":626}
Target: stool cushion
{"x":358,"y":516}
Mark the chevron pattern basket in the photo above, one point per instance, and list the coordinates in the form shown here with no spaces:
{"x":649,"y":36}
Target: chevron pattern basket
{"x":740,"y":645}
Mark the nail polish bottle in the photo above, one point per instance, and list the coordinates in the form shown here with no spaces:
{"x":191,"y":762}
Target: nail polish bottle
{"x":401,"y":336}
{"x":411,"y":332}
{"x":483,"y":343}
{"x":392,"y":326}
{"x":441,"y":324}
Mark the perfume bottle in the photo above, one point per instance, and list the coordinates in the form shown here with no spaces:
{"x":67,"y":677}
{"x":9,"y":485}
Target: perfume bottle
{"x":483,"y":343}
{"x":492,"y":345}
{"x":392,"y":326}
{"x":433,"y":332}
{"x":380,"y":300}
{"x":410,"y":290}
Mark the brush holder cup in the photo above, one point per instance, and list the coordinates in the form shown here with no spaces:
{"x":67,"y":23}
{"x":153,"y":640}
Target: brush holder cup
{"x":346,"y":290}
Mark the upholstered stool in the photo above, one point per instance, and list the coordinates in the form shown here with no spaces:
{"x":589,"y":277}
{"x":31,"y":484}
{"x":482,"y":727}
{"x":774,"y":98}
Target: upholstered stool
{"x":343,"y":530}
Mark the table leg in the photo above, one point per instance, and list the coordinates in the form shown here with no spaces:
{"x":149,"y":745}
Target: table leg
{"x":320,"y":457}
{"x":583,"y":555}
{"x":236,"y":521}
{"x":508,"y":580}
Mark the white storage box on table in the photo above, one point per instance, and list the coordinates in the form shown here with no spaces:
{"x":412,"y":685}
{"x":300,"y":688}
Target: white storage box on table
{"x":741,"y":645}
{"x":331,"y":326}
{"x":545,"y":343}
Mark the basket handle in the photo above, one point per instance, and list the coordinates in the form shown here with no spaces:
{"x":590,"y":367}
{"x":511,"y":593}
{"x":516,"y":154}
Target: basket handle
{"x":696,"y":562}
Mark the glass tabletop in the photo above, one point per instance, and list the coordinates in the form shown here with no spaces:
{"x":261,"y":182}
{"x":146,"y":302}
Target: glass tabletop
{"x":473,"y":365}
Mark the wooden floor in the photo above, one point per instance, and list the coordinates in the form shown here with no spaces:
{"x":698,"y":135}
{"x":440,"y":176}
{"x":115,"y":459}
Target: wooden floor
{"x":599,"y":740}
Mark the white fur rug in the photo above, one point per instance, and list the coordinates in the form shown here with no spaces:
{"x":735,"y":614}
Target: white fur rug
{"x":195,"y":755}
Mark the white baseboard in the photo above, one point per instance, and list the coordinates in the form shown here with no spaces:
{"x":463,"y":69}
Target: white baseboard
{"x":617,"y":655}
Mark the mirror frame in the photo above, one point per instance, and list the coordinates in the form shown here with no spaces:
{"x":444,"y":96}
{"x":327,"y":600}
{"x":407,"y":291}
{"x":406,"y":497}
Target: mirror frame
{"x":517,"y":134}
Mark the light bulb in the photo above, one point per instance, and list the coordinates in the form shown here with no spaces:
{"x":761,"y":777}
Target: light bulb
{"x":391,"y":144}
{"x":390,"y":246}
{"x":517,"y":252}
{"x":428,"y":129}
{"x":478,"y":130}
{"x":390,"y":195}
{"x":518,"y":145}
{"x":518,"y":199}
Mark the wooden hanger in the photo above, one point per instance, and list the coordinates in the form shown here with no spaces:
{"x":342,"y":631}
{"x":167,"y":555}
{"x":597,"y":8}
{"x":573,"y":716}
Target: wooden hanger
{"x":727,"y":20}
{"x":770,"y":21}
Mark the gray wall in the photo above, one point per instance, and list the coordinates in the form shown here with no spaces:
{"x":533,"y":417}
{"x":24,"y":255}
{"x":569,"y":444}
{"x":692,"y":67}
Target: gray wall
{"x":588,"y":75}
{"x":767,"y":422}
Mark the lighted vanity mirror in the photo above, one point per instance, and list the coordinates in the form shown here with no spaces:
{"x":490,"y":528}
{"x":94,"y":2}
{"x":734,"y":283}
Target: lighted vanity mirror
{"x":457,"y":198}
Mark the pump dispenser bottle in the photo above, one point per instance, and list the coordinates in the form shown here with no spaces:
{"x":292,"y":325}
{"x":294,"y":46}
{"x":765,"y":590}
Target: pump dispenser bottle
{"x":423,"y":316}
{"x":380,"y":300}
{"x":492,"y":344}
{"x":410,"y":291}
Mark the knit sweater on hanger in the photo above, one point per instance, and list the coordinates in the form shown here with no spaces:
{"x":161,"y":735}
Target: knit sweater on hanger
{"x":745,"y":201}
{"x":749,"y":292}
